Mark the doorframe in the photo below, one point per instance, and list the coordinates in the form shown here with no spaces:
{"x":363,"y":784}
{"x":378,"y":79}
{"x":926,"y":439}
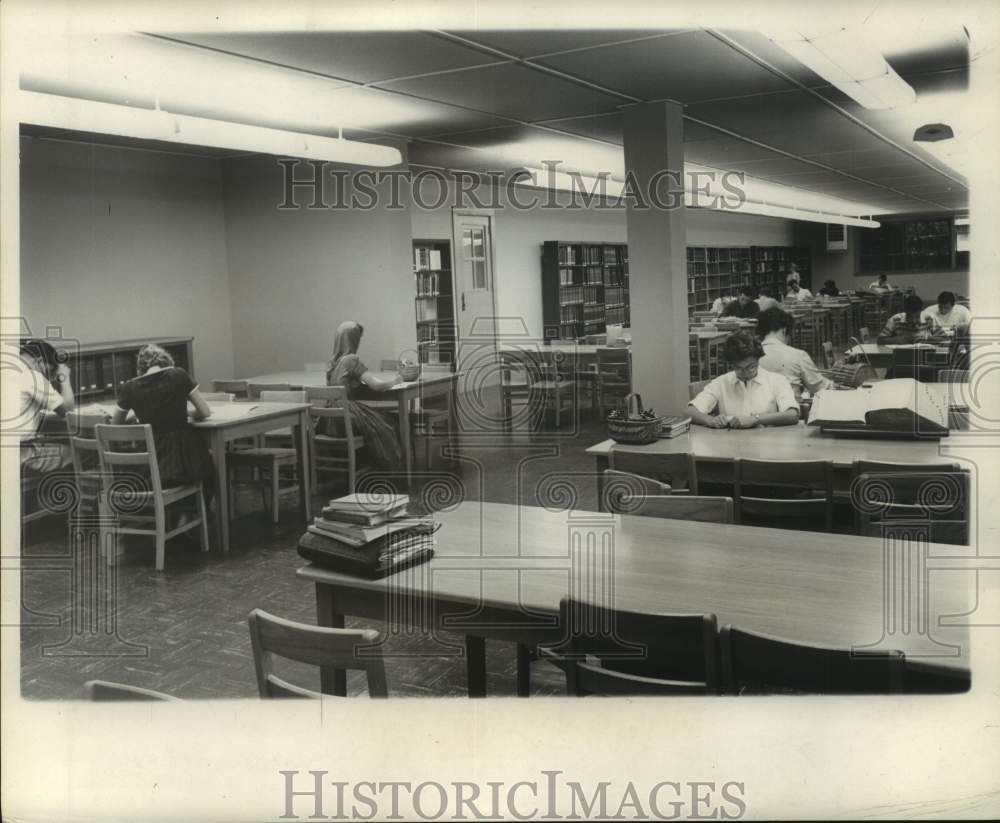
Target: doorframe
{"x":456,"y":214}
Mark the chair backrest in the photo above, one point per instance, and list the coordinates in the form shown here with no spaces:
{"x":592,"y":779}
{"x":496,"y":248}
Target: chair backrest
{"x":298,"y":396}
{"x":681,"y":507}
{"x":910,"y":505}
{"x":273,"y":636}
{"x":329,"y":403}
{"x":757,"y":664}
{"x":254,"y":389}
{"x":105,"y":691}
{"x":756,"y":480}
{"x":953,"y":376}
{"x":696,"y":388}
{"x":860,"y":467}
{"x":621,"y":486}
{"x":83,"y":445}
{"x":127,"y":448}
{"x":613,"y":358}
{"x":677,"y":647}
{"x":677,"y":469}
{"x":237,"y":387}
{"x":218,"y":396}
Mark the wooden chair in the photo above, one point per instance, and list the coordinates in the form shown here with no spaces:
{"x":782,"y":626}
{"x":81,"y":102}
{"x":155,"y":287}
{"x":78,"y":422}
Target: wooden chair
{"x":758,"y":482}
{"x":677,"y":470}
{"x":953,"y":376}
{"x":267,"y":461}
{"x":332,"y":454}
{"x":236,"y":387}
{"x":532,"y":385}
{"x":666,"y":647}
{"x":105,"y":691}
{"x":131,"y":449}
{"x":218,"y":396}
{"x":620,"y":487}
{"x":254,"y":389}
{"x":913,"y":505}
{"x":273,"y":636}
{"x":758,"y":664}
{"x":682,"y":507}
{"x":614,"y":377}
{"x":696,"y":388}
{"x":86,"y":461}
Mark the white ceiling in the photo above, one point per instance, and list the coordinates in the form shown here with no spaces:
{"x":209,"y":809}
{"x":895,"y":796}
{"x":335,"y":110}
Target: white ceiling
{"x":501,"y":99}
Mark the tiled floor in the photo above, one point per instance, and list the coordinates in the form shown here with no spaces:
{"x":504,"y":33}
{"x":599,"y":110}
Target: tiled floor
{"x":183,"y":631}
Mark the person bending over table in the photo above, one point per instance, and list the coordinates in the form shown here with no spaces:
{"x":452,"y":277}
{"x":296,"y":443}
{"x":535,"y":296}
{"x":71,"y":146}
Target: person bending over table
{"x":775,"y":329}
{"x":346,"y":369}
{"x":159,"y":396}
{"x":743,"y":306}
{"x":829,"y":289}
{"x":908,"y":326}
{"x":882,"y":283}
{"x":44,"y":388}
{"x":764,"y":299}
{"x":746,"y":397}
{"x":945,"y":317}
{"x":795,"y":291}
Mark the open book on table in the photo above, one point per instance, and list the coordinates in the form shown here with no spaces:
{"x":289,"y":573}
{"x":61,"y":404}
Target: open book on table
{"x":901,"y":406}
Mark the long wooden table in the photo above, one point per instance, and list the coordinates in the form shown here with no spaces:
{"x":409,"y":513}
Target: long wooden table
{"x":425,"y":387}
{"x":499,"y":572}
{"x":233,"y":421}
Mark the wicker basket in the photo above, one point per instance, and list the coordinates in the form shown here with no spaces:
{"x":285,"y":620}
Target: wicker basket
{"x":634,"y":429}
{"x":408,"y":368}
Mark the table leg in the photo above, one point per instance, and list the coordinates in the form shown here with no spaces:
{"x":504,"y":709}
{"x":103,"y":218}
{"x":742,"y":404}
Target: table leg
{"x":218,"y":445}
{"x":305,"y":472}
{"x":523,"y":670}
{"x":404,"y":435}
{"x":475,"y":665}
{"x":332,"y":681}
{"x":452,"y":413}
{"x":602,"y":465}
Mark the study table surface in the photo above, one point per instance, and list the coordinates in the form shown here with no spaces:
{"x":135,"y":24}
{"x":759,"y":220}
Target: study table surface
{"x":232,"y":421}
{"x":426,"y":386}
{"x":499,"y":571}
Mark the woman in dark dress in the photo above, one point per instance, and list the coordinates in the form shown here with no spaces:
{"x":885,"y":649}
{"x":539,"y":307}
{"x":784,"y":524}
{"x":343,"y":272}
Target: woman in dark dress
{"x":346,"y":369}
{"x":159,"y":396}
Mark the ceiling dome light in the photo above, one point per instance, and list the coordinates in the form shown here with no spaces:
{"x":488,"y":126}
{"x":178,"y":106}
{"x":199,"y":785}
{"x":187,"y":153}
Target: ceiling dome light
{"x":932,"y":132}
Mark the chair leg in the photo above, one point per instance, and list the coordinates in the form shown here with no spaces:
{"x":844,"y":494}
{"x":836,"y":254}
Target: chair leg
{"x":203,"y":514}
{"x":275,"y":477}
{"x":161,"y":537}
{"x":352,"y":468}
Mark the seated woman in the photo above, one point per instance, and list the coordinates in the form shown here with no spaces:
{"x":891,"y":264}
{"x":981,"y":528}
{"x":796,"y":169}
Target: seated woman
{"x":745,"y":397}
{"x":795,"y":291}
{"x":346,"y":369}
{"x":743,"y":306}
{"x":774,"y":327}
{"x":829,"y":289}
{"x":765,"y":300}
{"x":44,"y":388}
{"x":159,"y":396}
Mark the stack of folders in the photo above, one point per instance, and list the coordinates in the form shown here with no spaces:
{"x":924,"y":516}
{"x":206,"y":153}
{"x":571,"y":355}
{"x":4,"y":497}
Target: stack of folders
{"x":674,"y":426}
{"x":369,"y":535}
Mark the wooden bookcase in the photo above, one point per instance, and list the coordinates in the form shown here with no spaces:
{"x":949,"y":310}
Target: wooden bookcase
{"x":585,"y":287}
{"x":713,"y":272}
{"x":98,"y":369}
{"x":434,"y":302}
{"x":769,"y":267}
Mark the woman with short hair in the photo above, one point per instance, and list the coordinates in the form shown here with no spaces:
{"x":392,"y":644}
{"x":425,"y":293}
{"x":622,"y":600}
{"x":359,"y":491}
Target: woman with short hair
{"x":745,"y":397}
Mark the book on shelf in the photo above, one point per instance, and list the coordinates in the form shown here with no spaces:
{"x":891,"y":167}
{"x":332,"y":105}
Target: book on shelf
{"x":901,"y":406}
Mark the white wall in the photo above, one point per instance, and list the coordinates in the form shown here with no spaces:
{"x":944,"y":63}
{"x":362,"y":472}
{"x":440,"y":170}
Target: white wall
{"x":296,"y":274}
{"x":119,"y":244}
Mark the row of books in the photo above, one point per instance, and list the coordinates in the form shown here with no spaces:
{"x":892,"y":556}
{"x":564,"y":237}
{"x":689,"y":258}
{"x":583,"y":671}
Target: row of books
{"x":616,"y":314}
{"x":369,"y":535}
{"x":428,"y":284}
{"x":425,"y":258}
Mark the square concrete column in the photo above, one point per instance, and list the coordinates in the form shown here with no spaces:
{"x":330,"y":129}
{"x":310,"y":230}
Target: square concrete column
{"x":654,"y":156}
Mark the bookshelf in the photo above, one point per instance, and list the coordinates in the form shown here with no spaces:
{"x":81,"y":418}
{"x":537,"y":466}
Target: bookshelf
{"x":434,"y":302}
{"x":98,"y":369}
{"x":769,"y":267}
{"x":714,"y":272}
{"x":585,"y":288}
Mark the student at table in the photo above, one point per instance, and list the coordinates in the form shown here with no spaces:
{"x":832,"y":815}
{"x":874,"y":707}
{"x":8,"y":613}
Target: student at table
{"x":743,"y":306}
{"x":908,"y":326}
{"x":774,"y":327}
{"x":946,"y":316}
{"x":44,"y":388}
{"x":829,"y":289}
{"x":159,"y":396}
{"x":346,"y":369}
{"x":746,"y":396}
{"x":882,"y":283}
{"x":765,"y":300}
{"x":795,"y":291}
{"x":720,"y":303}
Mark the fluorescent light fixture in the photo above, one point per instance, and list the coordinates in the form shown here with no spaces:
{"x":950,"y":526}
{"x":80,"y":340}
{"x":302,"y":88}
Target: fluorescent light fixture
{"x":154,"y":124}
{"x":843,"y":58}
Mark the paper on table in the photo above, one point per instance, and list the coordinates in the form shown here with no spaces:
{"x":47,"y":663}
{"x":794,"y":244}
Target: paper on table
{"x":231,"y":411}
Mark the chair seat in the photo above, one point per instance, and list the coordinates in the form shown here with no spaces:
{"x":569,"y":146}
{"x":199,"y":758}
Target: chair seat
{"x":325,"y":439}
{"x":263,"y":456}
{"x":552,"y":385}
{"x":170,"y":495}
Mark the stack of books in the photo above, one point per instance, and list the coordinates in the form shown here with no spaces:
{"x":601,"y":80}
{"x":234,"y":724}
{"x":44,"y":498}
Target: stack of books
{"x":369,"y":535}
{"x":674,"y":426}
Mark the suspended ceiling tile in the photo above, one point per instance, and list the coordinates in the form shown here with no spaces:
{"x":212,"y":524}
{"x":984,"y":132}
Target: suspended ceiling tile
{"x":511,"y":91}
{"x":685,"y":67}
{"x":806,"y":178}
{"x":362,"y":57}
{"x":534,"y":42}
{"x":601,"y":127}
{"x":727,"y":150}
{"x":769,"y":167}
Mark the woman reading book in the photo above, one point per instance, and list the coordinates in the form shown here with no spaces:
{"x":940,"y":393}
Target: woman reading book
{"x":346,"y":369}
{"x":746,"y":396}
